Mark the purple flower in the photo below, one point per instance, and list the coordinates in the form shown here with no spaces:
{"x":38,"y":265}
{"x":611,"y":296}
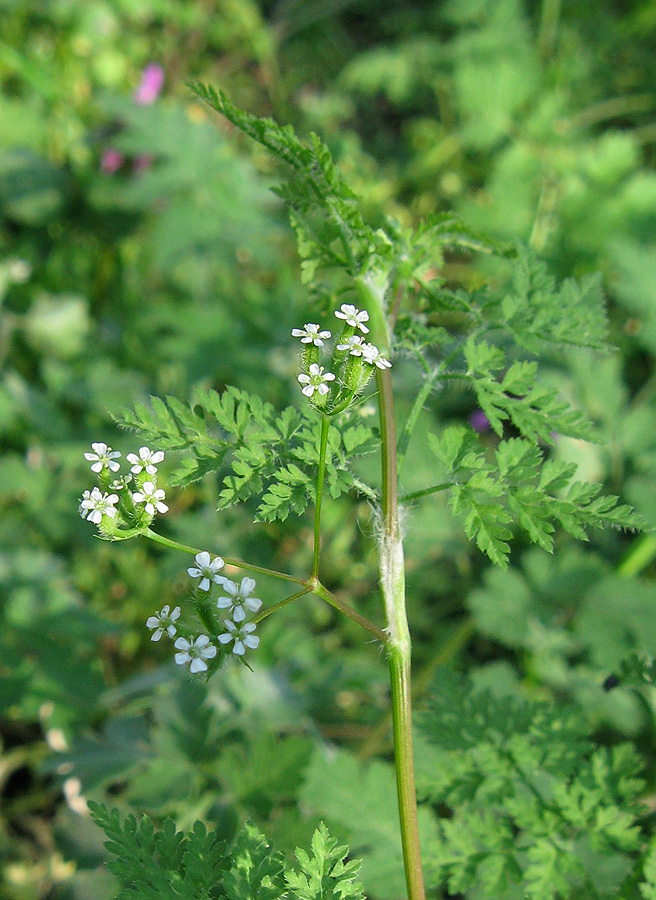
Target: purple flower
{"x":479,"y":421}
{"x":152,"y":81}
{"x":111,"y":161}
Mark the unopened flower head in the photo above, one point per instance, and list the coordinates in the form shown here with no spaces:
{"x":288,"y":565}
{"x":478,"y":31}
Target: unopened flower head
{"x":95,"y":505}
{"x":353,"y":317}
{"x":239,"y":597}
{"x":103,"y":457}
{"x":315,"y":381}
{"x":207,"y":570}
{"x":310,"y":334}
{"x":353,"y":344}
{"x":242,"y":635}
{"x":195,"y":653}
{"x":147,"y":460}
{"x":153,"y":499}
{"x":163,"y":622}
{"x":371,"y":354}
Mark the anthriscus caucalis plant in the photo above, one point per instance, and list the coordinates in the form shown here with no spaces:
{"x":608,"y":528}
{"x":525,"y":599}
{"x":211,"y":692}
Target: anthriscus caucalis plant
{"x":523,"y":788}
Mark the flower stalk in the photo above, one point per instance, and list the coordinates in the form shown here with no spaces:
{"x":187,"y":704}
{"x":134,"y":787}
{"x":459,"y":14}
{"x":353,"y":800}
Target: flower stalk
{"x":323,"y":444}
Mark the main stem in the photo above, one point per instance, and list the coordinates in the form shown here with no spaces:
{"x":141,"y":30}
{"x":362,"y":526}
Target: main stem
{"x":392,"y":582}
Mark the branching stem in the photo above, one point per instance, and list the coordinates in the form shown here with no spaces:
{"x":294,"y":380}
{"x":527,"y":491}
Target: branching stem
{"x":238,"y":563}
{"x":348,"y":611}
{"x":413,"y":416}
{"x":311,"y":585}
{"x":433,"y":489}
{"x":276,"y":606}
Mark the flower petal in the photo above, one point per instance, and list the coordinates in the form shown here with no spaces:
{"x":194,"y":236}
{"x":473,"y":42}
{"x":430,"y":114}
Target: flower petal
{"x":247,"y":585}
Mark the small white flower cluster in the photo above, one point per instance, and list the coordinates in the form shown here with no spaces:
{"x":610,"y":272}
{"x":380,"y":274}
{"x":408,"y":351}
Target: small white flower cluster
{"x":310,"y":334}
{"x":95,"y":504}
{"x":163,"y":622}
{"x":235,"y":603}
{"x":315,"y":378}
{"x":356,"y":346}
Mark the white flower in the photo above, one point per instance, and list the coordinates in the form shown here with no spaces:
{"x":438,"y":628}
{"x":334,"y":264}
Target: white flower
{"x":371,"y":354}
{"x":146,"y":460}
{"x":163,"y":622}
{"x":195,"y":652}
{"x":241,"y":635}
{"x":353,"y":344}
{"x":316,"y":380}
{"x":95,"y":505}
{"x":207,"y":570}
{"x":353,"y":317}
{"x":151,"y":497}
{"x":103,"y":456}
{"x":19,"y":270}
{"x":310,"y":334}
{"x":239,"y":598}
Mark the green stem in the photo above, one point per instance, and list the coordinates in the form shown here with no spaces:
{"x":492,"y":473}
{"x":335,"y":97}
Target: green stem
{"x":330,"y":598}
{"x":238,"y":563}
{"x":433,"y":489}
{"x":276,"y":606}
{"x":413,"y":415}
{"x":640,"y":555}
{"x":392,"y":583}
{"x":446,"y":653}
{"x":325,"y":425}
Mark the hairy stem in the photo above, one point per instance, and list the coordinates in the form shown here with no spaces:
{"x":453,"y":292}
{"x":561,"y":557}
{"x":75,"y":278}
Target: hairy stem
{"x":392,"y":583}
{"x":238,"y":563}
{"x":323,"y":444}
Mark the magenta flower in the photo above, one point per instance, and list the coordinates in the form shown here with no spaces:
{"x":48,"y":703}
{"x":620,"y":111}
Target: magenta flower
{"x":150,"y":86}
{"x":111,"y":161}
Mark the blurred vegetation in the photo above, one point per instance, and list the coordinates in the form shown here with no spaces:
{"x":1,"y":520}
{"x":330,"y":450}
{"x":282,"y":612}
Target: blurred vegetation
{"x":141,"y":252}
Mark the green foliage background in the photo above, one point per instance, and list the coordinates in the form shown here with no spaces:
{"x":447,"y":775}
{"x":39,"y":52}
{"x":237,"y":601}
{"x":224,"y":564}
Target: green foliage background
{"x":178,"y":274}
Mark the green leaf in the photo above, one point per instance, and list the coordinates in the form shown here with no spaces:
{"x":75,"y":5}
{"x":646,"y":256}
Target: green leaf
{"x":536,"y":313}
{"x":518,"y":486}
{"x":360,"y":803}
{"x":325,"y":875}
{"x":530,"y":803}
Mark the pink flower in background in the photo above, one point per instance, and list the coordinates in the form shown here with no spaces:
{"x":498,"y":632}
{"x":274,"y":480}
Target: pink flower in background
{"x":143,"y":163}
{"x":152,"y":81}
{"x":111,"y":161}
